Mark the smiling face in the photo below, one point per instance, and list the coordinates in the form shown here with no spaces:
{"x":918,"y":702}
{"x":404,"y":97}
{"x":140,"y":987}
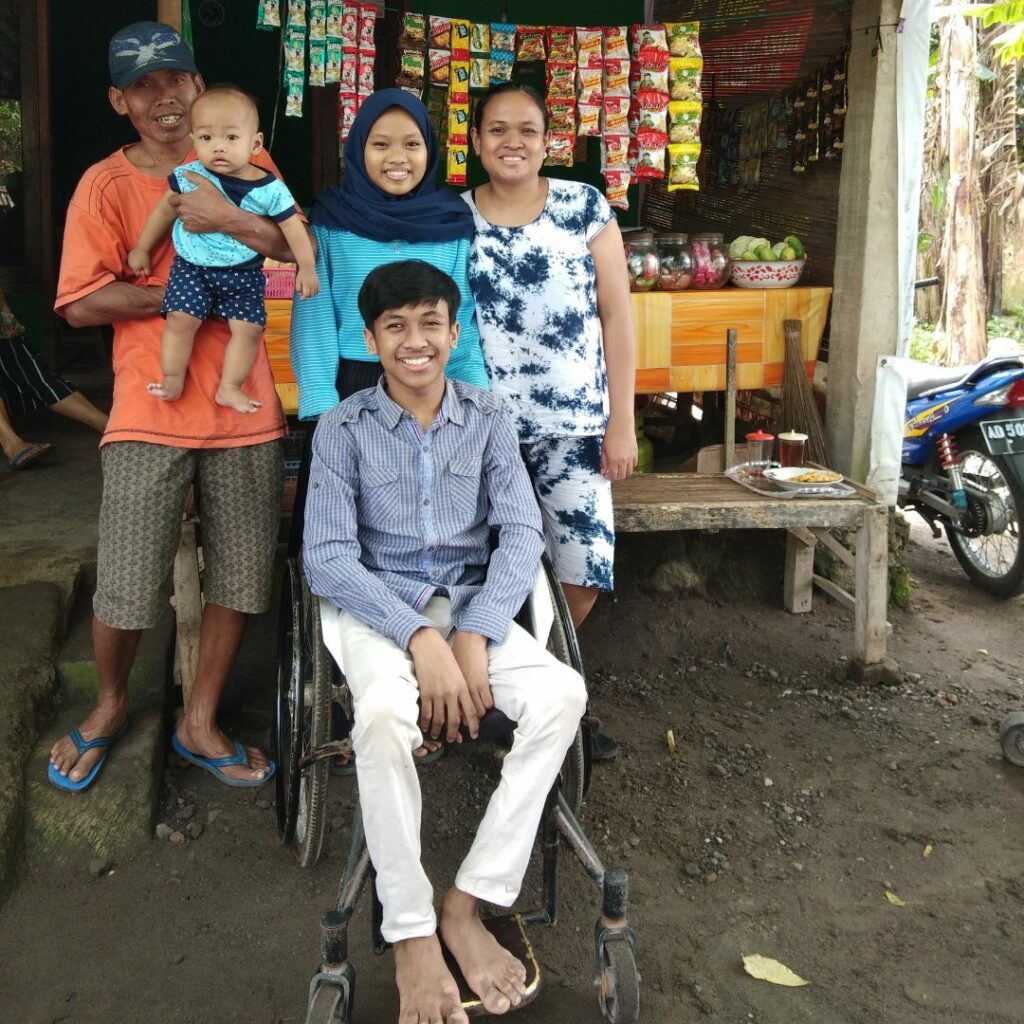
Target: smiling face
{"x":225,"y":132}
{"x":413,"y":343}
{"x":157,"y":104}
{"x":395,"y":153}
{"x":511,"y":139}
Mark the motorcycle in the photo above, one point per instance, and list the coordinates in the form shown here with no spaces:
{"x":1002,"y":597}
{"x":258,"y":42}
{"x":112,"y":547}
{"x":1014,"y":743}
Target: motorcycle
{"x":963,"y":465}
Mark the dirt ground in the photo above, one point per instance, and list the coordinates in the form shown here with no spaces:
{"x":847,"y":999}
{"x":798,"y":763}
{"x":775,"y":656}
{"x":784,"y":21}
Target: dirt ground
{"x":793,"y":803}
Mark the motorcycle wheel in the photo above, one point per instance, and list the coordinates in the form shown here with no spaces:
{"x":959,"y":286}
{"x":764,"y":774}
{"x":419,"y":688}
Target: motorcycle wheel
{"x":995,"y":561}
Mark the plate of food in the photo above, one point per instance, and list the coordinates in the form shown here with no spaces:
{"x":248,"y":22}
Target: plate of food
{"x":802,"y":478}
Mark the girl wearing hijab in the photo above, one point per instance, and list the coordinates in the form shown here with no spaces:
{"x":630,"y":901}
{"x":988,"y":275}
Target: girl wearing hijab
{"x":386,"y":209}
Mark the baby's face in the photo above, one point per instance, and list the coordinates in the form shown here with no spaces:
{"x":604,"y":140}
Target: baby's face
{"x":225,"y":133}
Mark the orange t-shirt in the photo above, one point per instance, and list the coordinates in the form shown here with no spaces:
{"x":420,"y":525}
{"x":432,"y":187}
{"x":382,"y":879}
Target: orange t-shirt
{"x":105,"y":216}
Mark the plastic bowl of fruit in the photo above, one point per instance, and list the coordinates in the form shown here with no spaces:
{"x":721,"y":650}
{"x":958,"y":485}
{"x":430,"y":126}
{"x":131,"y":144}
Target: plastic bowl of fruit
{"x":766,"y":273}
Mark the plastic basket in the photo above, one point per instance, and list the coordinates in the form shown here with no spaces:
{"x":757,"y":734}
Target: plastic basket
{"x":280,"y":282}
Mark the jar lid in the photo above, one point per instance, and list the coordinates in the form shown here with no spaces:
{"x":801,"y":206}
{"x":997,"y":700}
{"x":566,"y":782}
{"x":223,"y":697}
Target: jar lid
{"x":760,"y":435}
{"x":707,"y":236}
{"x":793,"y":435}
{"x":673,"y":237}
{"x":638,"y":235}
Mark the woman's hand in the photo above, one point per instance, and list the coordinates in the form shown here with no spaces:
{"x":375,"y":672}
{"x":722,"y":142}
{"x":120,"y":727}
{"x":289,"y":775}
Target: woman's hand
{"x":618,"y":450}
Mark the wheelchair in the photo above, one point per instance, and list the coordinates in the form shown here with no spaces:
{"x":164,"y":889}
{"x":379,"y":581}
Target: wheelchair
{"x":310,"y":681}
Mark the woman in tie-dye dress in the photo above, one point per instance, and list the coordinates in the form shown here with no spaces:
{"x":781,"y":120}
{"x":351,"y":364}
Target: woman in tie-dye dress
{"x":549,"y":277}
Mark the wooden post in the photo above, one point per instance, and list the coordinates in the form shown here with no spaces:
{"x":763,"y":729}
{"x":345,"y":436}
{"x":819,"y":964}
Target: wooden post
{"x":798,"y":581}
{"x":730,"y":397}
{"x":169,"y":12}
{"x":872,"y":587}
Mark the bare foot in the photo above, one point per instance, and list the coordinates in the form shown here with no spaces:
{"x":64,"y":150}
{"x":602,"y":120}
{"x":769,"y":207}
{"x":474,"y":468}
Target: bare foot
{"x":207,"y":743}
{"x":490,"y":970}
{"x":235,"y":398}
{"x":427,"y":993}
{"x":428,"y":746}
{"x":102,"y":721}
{"x":168,"y":389}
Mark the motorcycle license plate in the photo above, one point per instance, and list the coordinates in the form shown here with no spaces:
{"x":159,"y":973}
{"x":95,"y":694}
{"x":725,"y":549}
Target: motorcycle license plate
{"x":1004,"y":437}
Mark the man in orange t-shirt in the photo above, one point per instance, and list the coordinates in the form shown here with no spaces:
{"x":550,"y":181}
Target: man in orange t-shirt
{"x":152,"y":452}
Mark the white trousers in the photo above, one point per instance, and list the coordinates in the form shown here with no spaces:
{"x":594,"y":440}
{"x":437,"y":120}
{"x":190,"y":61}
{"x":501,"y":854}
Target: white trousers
{"x":531,"y":687}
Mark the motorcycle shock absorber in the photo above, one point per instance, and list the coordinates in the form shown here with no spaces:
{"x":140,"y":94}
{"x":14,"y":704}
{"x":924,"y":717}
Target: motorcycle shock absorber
{"x":949,"y":460}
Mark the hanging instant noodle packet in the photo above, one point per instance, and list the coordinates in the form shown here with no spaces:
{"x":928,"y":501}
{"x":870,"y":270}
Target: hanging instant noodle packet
{"x":682,"y":167}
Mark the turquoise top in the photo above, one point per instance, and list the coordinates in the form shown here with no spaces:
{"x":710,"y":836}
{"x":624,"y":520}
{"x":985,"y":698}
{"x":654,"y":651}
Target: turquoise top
{"x":328,"y":326}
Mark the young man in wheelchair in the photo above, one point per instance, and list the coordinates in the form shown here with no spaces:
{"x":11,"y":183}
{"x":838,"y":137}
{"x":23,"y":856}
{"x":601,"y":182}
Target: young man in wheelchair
{"x":408,"y":481}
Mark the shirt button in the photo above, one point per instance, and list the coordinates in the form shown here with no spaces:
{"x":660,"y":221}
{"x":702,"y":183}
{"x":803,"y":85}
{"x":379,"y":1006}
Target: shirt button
{"x":426,"y":501}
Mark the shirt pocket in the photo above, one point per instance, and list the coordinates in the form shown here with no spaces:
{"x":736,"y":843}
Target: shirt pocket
{"x":464,"y":485}
{"x":379,"y":495}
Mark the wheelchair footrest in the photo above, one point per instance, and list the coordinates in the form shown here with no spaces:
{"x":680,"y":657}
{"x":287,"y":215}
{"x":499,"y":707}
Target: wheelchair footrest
{"x":509,"y":930}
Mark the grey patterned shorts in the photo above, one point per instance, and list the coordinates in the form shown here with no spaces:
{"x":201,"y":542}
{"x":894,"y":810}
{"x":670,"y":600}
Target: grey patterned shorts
{"x":144,"y":489}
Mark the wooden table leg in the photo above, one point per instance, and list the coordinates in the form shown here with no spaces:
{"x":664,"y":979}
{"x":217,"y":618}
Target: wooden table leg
{"x":798,"y":582}
{"x":872,"y":585}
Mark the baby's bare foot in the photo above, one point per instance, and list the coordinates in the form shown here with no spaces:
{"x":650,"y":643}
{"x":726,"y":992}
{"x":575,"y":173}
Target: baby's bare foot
{"x":235,"y":398}
{"x":426,"y":990}
{"x":490,"y":970}
{"x":168,"y":389}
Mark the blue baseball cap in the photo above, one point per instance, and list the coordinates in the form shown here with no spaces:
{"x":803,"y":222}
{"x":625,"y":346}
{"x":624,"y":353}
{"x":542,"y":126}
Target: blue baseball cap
{"x":146,"y":46}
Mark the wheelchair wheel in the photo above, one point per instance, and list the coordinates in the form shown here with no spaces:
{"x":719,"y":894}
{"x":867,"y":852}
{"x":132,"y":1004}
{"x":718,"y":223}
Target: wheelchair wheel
{"x":1011,"y":737}
{"x":316,"y":728}
{"x":288,"y":707}
{"x":618,"y":990}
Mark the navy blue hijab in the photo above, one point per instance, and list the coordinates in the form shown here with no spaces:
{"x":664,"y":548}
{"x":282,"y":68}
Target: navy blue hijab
{"x":425,"y":214}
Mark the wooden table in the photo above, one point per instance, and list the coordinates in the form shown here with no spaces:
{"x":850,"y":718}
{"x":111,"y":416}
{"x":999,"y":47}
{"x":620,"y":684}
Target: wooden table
{"x":689,"y":501}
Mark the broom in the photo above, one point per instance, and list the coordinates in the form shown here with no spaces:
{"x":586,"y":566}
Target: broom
{"x":798,"y":410}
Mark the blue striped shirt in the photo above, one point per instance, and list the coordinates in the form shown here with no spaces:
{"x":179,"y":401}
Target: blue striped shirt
{"x":395,"y":515}
{"x":328,"y":326}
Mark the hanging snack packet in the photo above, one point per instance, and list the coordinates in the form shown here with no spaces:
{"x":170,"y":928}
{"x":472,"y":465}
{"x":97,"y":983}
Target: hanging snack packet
{"x":616,"y":115}
{"x":646,"y":41}
{"x":531,"y":42}
{"x":480,"y":38}
{"x":589,"y":115}
{"x":652,"y":84}
{"x":350,"y":25}
{"x":440,"y":33}
{"x":590,"y":86}
{"x":349,"y":70}
{"x":367,"y":28}
{"x":616,"y":78}
{"x":460,"y":39}
{"x":588,"y":47}
{"x":479,"y":72}
{"x":560,"y":150}
{"x":296,"y":13}
{"x":561,"y":79}
{"x":347,"y":106}
{"x":414,"y":32}
{"x":682,"y":167}
{"x":458,"y":154}
{"x":411,"y":68}
{"x":615,"y":45}
{"x":332,"y":69}
{"x":503,"y":37}
{"x":318,"y":21}
{"x":501,"y":65}
{"x":296,"y":86}
{"x":458,"y":81}
{"x":561,"y":43}
{"x":615,"y":153}
{"x":440,"y":63}
{"x":616,"y":189}
{"x":684,"y":122}
{"x":684,"y":79}
{"x":334,"y":11}
{"x":364,"y":74}
{"x":652,"y":119}
{"x":269,"y":14}
{"x":683,"y":38}
{"x":650,"y":162}
{"x":295,"y":51}
{"x":317,"y":63}
{"x":458,"y":122}
{"x":561,"y":116}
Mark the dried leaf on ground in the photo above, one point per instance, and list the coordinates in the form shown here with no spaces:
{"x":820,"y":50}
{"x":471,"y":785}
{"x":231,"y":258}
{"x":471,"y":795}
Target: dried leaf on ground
{"x":927,"y":851}
{"x":765,"y":968}
{"x":894,"y":899}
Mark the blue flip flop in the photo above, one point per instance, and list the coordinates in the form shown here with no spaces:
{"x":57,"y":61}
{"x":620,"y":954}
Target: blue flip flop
{"x":82,"y":745}
{"x":213,"y":765}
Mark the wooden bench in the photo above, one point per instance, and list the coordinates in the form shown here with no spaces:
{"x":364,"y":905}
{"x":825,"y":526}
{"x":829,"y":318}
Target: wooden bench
{"x":691,"y":501}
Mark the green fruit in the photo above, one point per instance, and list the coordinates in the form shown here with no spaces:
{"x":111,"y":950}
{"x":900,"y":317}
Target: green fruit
{"x":748,"y":255}
{"x":777,"y":250}
{"x":796,"y":245}
{"x":764,"y":252}
{"x":789,"y":253}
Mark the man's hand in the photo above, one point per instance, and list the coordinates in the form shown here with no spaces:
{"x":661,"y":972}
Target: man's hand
{"x":618,"y":450}
{"x":139,"y":261}
{"x":307,"y":284}
{"x":444,"y":694}
{"x":470,"y":653}
{"x":204,"y":210}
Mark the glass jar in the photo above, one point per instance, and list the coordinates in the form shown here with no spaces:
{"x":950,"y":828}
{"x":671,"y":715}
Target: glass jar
{"x":641,"y":260}
{"x":711,"y":261}
{"x":676,"y":258}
